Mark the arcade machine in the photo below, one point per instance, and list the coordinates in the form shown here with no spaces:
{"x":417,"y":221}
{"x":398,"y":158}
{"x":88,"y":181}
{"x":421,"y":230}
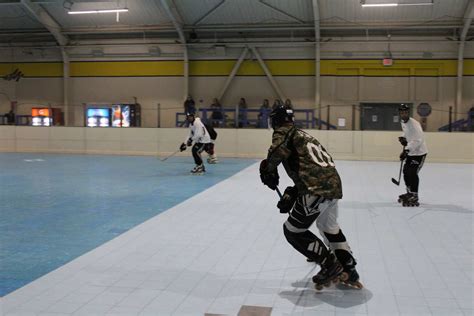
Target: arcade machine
{"x":41,"y":117}
{"x":98,"y":117}
{"x":126,"y":115}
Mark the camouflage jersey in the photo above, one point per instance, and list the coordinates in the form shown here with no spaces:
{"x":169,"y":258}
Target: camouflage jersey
{"x":306,"y":161}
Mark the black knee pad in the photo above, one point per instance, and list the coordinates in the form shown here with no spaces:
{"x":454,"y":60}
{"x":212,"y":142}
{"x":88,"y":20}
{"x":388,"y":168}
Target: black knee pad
{"x":307,"y":244}
{"x":339,"y":237}
{"x":289,"y":235}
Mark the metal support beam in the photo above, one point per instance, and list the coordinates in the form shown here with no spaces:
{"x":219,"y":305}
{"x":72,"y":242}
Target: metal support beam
{"x":468,"y":16}
{"x":205,"y":16}
{"x":233,"y":72}
{"x":269,"y":74}
{"x":182,"y":39}
{"x":48,"y":22}
{"x":317,"y":61}
{"x":281,"y":11}
{"x":67,"y":116}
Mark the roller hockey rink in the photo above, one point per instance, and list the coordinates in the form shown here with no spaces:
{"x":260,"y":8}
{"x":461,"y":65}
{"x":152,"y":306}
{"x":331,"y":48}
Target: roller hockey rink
{"x":155,"y":240}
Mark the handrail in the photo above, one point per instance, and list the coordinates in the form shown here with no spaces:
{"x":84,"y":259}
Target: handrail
{"x":260,"y":120}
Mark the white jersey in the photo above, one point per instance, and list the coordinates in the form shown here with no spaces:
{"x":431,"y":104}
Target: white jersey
{"x":414,"y":134}
{"x":198,"y":132}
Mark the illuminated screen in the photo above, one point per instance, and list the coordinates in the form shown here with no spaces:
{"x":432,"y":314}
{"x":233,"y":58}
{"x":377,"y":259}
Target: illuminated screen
{"x":125,"y":115}
{"x":116,"y":116}
{"x":98,"y":117}
{"x":39,"y":112}
{"x":98,"y":112}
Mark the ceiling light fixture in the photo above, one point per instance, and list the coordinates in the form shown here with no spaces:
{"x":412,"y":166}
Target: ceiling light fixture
{"x":98,"y":11}
{"x":394,"y":4}
{"x":379,"y":5}
{"x":419,"y":3}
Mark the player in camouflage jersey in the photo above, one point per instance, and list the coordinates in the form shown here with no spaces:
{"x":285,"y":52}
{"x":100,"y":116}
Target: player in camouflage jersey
{"x":314,"y":197}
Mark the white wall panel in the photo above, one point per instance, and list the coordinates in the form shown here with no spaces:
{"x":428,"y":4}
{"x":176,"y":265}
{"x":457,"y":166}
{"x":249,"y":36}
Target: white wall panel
{"x":351,"y":145}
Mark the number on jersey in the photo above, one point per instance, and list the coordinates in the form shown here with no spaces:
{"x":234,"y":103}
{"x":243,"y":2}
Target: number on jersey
{"x":320,"y":155}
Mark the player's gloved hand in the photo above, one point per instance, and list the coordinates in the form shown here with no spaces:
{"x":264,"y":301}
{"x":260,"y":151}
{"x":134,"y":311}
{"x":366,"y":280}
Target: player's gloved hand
{"x":182,"y":147}
{"x":403,"y":141}
{"x":288,"y":199}
{"x":403,"y":155}
{"x":270,"y":179}
{"x":189,"y":142}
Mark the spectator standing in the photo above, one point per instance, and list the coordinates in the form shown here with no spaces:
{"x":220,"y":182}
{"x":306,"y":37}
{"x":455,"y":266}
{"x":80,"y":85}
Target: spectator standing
{"x":216,"y":115}
{"x":242,"y":108}
{"x":263,"y":114}
{"x":189,"y":105}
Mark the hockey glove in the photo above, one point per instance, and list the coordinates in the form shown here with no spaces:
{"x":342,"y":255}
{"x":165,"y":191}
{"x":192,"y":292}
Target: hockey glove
{"x":182,"y":147}
{"x":288,"y":199}
{"x":189,"y":142}
{"x":403,"y":154}
{"x":403,"y":141}
{"x":270,"y":179}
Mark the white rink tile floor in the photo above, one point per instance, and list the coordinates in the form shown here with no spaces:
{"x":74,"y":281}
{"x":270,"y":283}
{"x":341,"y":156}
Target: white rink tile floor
{"x":224,"y":248}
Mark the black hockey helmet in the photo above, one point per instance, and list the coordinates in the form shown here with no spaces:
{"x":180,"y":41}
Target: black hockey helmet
{"x":403,"y":107}
{"x":281,"y":114}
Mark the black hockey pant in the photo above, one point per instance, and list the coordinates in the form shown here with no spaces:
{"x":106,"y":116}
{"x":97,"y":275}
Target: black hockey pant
{"x":307,"y":210}
{"x":412,"y":166}
{"x":198,"y":148}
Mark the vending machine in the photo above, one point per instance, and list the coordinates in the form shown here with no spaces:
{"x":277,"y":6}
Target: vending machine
{"x":41,"y":117}
{"x":98,"y":117}
{"x":126,"y":115}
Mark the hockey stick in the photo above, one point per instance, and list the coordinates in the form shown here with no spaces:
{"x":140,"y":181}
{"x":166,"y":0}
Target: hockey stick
{"x":174,"y":153}
{"x":399,"y":173}
{"x":279,"y":193}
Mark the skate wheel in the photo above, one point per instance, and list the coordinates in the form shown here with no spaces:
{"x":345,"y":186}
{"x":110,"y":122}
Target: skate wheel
{"x":399,"y":200}
{"x":318,"y":287}
{"x":355,"y":285}
{"x":344,"y":276}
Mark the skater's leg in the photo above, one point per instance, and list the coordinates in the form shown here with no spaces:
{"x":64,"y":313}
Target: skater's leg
{"x":296,"y":229}
{"x":329,"y":228}
{"x":197,"y":150}
{"x":212,"y":158}
{"x":303,"y":214}
{"x":406,"y":176}
{"x":414,"y":165}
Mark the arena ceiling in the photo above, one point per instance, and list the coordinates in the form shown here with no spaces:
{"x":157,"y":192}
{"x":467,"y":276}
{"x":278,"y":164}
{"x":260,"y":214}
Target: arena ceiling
{"x":42,"y":21}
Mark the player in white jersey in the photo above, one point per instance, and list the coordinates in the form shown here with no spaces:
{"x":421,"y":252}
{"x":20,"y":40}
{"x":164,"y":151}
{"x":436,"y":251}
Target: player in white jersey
{"x":199,"y":135}
{"x":414,"y":153}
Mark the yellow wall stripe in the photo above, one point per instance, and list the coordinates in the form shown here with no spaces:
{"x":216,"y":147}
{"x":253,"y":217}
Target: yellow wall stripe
{"x":468,"y":67}
{"x":33,"y":69}
{"x":280,"y":67}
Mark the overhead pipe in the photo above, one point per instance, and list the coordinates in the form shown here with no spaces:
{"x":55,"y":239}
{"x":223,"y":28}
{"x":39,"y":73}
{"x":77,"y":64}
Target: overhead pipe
{"x":317,"y":62}
{"x":51,"y":25}
{"x":183,"y":42}
{"x":467,"y":23}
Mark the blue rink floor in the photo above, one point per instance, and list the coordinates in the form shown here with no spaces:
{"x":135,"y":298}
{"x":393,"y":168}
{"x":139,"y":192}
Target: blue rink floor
{"x":54,"y":208}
